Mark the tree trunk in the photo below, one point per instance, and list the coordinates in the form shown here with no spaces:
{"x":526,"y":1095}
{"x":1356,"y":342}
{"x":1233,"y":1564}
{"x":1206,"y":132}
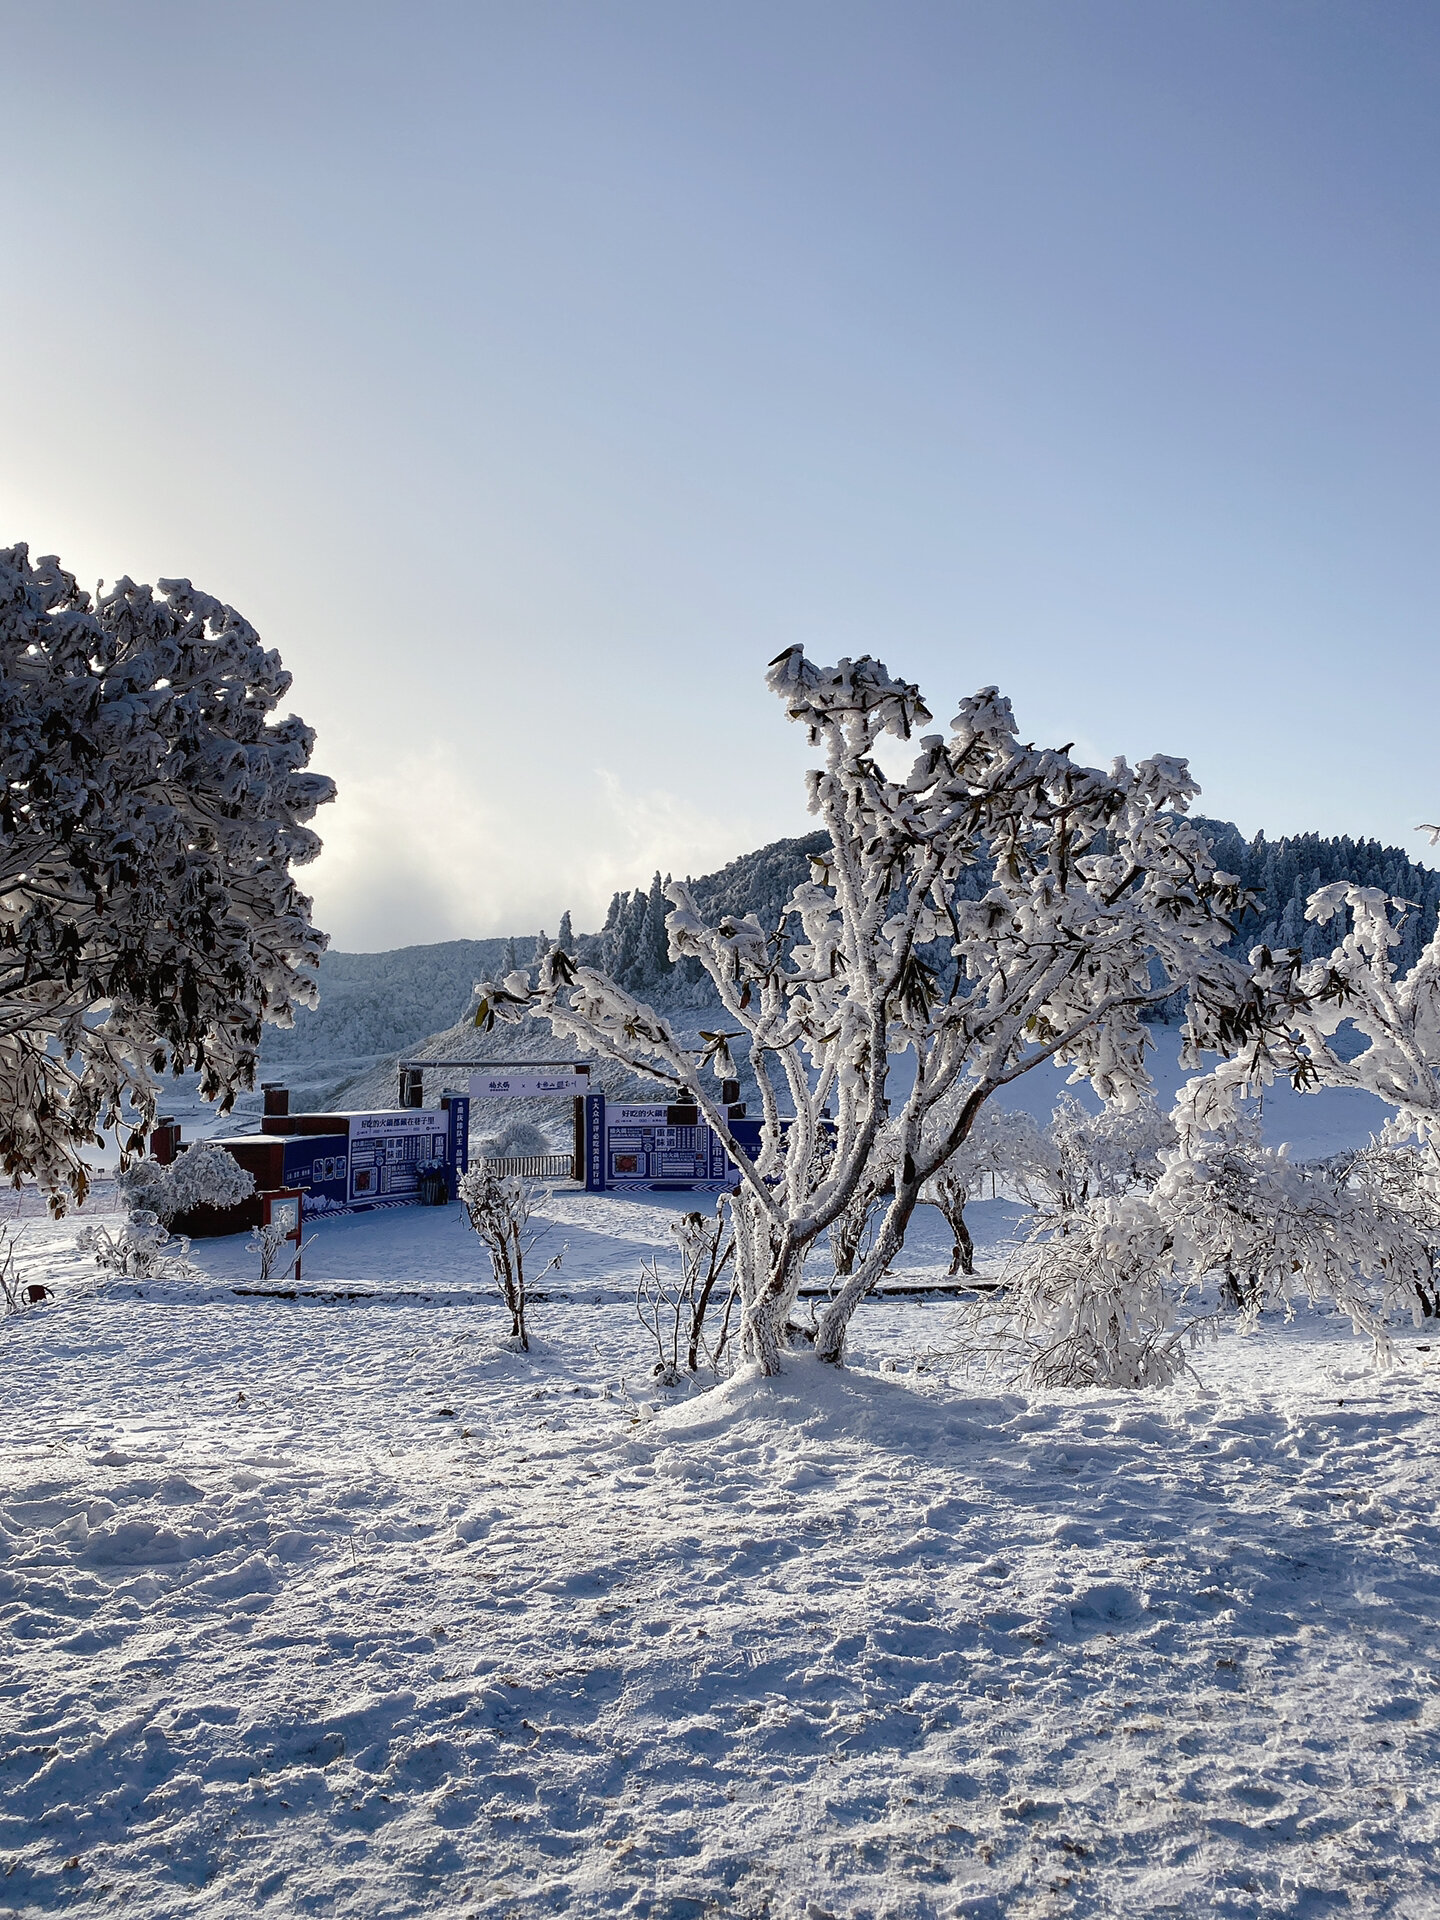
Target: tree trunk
{"x":963,"y":1258}
{"x":761,"y":1323}
{"x":764,"y":1315}
{"x":834,"y":1321}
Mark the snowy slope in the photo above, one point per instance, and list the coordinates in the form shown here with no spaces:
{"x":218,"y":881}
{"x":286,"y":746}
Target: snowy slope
{"x":373,"y":1005}
{"x":349,"y":1610}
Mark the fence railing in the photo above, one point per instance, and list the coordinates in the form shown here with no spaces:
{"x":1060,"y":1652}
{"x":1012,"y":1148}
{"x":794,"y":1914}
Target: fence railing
{"x":535,"y":1166}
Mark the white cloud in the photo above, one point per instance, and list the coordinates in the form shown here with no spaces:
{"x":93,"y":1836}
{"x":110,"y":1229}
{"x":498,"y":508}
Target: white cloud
{"x":426,"y":850}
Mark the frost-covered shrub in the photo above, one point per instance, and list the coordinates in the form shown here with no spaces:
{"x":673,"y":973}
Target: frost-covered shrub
{"x":673,"y":1308}
{"x":499,"y":1209}
{"x":1274,"y":1232}
{"x":520,"y":1140}
{"x":1106,"y":1293}
{"x":1089,"y":1300}
{"x":204,"y":1176}
{"x":143,"y":1249}
{"x":268,"y":1246}
{"x":1403,"y":1182}
{"x":273,"y":1247}
{"x":1364,"y":1234}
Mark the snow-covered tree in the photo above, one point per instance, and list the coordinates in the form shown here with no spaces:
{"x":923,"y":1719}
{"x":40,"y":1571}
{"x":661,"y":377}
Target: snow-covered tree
{"x":1101,"y":900}
{"x":1004,"y":1149}
{"x":499,"y":1209}
{"x":205,"y":1175}
{"x":151,"y":808}
{"x":1100,"y":1156}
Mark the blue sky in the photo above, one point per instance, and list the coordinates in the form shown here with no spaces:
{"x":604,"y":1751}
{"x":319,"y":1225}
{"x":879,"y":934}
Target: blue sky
{"x":531,"y":374}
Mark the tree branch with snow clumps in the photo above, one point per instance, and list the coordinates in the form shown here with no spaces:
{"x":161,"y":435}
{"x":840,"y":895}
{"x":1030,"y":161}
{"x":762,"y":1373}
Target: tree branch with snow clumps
{"x":1102,"y":900}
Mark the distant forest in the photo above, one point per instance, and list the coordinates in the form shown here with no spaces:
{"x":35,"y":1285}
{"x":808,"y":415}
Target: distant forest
{"x":1282,"y":874}
{"x":373,"y":1004}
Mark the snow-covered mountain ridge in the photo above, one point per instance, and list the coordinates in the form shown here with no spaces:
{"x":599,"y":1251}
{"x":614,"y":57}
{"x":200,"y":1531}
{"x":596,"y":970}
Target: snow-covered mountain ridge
{"x":375,"y":1006}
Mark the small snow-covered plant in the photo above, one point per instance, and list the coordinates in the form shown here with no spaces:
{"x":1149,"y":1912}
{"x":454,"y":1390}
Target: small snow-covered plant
{"x":268,"y":1245}
{"x":1089,"y":1301}
{"x":142,"y":1249}
{"x":206,"y":1175}
{"x":672,"y":1307}
{"x":1006,"y":1149}
{"x":17,"y":1294}
{"x":997,"y":906}
{"x":499,"y":1209}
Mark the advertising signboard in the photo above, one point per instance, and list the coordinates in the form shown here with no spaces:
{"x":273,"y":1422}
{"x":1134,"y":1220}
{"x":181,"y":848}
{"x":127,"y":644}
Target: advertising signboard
{"x":642,"y":1149}
{"x":594,"y":1143}
{"x":387,"y":1151}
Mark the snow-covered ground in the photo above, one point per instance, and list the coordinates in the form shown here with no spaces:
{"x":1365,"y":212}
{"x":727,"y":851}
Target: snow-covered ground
{"x":347,"y":1609}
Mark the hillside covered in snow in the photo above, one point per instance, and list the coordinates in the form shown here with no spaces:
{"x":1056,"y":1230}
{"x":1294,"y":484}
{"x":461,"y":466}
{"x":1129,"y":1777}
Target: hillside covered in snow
{"x":414,"y":1001}
{"x":377,"y":1005}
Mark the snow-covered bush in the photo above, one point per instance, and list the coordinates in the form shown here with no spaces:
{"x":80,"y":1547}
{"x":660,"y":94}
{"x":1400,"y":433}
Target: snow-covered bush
{"x":520,"y":1140}
{"x":152,"y":811}
{"x":1403,"y":1183}
{"x":1089,"y":1300}
{"x":142,"y":1249}
{"x":1105,"y":1290}
{"x":1005,"y":1149}
{"x":1100,"y":1156}
{"x":1363,"y":1234}
{"x":1274,"y":1232}
{"x":203,"y":1176}
{"x":499,"y":1210}
{"x":1096,"y":899}
{"x":672,"y":1308}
